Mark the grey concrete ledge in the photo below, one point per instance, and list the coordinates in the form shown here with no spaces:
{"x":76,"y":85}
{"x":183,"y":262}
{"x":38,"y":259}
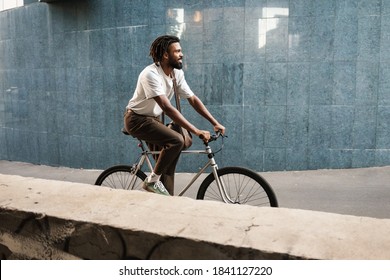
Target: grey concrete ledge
{"x":46,"y":219}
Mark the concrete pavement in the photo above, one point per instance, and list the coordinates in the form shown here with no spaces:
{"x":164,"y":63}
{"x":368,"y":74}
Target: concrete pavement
{"x":359,"y":192}
{"x":47,"y":219}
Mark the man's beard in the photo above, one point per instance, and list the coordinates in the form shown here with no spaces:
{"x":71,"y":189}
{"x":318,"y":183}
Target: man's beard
{"x":175,"y":64}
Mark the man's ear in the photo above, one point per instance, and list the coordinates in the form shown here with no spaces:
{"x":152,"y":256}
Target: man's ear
{"x":165,"y":55}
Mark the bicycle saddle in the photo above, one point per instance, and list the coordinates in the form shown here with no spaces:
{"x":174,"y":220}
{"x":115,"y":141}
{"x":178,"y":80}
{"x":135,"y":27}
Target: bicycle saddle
{"x":124,"y":131}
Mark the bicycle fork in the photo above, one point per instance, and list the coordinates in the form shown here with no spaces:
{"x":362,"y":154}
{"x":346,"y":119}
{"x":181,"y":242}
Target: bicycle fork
{"x":220,"y":184}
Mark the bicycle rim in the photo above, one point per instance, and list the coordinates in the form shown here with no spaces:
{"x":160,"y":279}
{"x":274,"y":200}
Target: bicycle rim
{"x":121,"y":177}
{"x":243,"y":186}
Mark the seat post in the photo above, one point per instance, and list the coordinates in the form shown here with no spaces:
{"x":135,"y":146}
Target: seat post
{"x":140,"y":144}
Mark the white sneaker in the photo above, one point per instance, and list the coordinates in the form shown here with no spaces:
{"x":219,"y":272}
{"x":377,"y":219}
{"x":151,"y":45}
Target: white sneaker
{"x":156,"y":187}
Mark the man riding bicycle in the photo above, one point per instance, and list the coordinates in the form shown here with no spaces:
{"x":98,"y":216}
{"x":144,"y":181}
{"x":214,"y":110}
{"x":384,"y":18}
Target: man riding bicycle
{"x":151,"y":99}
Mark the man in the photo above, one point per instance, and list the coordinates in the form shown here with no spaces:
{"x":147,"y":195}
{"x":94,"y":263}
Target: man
{"x":152,"y":98}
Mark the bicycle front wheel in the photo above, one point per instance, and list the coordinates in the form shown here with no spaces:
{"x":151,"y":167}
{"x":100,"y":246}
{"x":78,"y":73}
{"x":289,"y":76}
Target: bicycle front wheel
{"x":121,"y":177}
{"x":242,"y":185}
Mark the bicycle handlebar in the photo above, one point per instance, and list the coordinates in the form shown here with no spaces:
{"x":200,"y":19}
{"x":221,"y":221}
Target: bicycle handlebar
{"x":212,"y":137}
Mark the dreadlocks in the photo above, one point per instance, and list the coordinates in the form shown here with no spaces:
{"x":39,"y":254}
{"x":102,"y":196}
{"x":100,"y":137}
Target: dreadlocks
{"x":160,"y":46}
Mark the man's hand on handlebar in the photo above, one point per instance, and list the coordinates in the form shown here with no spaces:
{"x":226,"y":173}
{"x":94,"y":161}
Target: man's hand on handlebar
{"x":204,"y":135}
{"x":219,"y":127}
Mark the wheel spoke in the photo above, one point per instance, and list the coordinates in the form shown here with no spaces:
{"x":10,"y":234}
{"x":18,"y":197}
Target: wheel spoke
{"x":121,"y":177}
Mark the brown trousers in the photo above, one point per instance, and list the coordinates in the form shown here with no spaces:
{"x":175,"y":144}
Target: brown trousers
{"x":158,"y":137}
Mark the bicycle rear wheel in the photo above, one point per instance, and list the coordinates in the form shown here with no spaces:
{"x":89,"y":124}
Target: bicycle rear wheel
{"x":121,"y":177}
{"x":242,"y":185}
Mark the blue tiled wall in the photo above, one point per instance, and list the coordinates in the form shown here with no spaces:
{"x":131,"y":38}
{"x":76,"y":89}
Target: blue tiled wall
{"x":299,"y":84}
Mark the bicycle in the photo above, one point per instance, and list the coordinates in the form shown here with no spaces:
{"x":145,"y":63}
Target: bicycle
{"x":234,"y":185}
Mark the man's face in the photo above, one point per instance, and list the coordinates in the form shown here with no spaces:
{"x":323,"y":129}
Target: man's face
{"x":175,"y":56}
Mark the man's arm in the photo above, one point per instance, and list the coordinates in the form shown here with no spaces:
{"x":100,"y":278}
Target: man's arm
{"x":198,"y":105}
{"x":178,"y":118}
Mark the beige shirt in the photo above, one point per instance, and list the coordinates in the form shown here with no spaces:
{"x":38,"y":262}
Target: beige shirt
{"x":153,"y":82}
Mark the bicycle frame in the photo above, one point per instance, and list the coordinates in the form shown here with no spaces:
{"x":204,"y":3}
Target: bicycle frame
{"x":210,"y":163}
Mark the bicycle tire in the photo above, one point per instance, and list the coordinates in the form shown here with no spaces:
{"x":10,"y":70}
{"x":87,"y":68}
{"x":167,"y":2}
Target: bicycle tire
{"x":242,"y":185}
{"x":120,"y":177}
